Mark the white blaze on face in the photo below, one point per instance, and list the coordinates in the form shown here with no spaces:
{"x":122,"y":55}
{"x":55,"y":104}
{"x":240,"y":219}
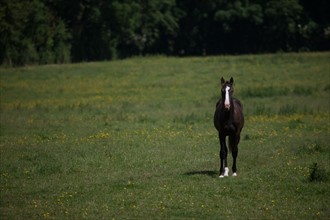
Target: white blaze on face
{"x":227,"y":101}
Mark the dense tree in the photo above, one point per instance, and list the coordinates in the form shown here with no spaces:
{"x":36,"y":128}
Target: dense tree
{"x":200,"y":32}
{"x":30,"y":33}
{"x":59,"y":31}
{"x":282,"y":19}
{"x":241,"y":23}
{"x":316,"y":28}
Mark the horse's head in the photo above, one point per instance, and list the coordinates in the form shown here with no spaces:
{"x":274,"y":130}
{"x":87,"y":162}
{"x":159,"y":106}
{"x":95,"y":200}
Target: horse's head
{"x":227,"y":91}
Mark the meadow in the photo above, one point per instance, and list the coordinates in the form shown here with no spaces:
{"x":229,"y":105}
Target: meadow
{"x":134,"y":139}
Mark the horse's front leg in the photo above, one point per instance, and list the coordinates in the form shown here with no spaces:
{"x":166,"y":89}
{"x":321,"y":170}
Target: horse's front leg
{"x":234,"y":140}
{"x":223,"y":156}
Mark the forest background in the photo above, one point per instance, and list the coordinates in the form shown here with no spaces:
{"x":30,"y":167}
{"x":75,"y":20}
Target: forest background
{"x":61,"y":31}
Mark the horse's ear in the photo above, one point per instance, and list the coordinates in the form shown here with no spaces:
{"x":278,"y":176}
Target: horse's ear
{"x":222,"y":80}
{"x":231,"y":80}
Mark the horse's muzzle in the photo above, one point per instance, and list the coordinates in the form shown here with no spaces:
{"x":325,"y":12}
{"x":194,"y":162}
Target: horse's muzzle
{"x":227,"y":107}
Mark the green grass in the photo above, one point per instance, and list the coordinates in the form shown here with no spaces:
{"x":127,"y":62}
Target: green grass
{"x":135,"y":139}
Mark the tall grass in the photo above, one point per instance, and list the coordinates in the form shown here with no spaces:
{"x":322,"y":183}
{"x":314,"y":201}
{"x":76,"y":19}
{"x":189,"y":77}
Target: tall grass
{"x":135,"y":139}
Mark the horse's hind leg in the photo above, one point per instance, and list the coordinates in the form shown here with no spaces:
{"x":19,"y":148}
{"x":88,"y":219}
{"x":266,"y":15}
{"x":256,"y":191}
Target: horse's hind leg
{"x":233,"y":141}
{"x":235,"y":153}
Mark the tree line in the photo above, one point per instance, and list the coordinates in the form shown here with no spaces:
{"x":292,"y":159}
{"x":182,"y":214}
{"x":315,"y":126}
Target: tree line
{"x":61,"y":31}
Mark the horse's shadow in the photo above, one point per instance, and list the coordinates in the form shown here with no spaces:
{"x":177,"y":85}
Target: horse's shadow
{"x":209,"y":173}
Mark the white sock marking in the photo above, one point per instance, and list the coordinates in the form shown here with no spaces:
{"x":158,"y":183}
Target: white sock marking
{"x":234,"y":174}
{"x":226,"y":171}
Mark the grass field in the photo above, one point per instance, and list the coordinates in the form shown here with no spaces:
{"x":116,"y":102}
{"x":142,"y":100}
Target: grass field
{"x":135,"y":139}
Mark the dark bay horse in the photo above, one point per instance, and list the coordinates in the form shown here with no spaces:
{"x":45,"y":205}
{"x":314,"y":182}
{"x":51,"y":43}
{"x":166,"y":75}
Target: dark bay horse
{"x":229,"y":121}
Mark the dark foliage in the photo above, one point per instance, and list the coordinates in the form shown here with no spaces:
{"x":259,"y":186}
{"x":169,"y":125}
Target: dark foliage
{"x":59,"y":31}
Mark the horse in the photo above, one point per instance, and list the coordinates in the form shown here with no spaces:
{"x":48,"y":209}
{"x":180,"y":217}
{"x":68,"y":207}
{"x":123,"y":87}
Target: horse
{"x":229,"y":121}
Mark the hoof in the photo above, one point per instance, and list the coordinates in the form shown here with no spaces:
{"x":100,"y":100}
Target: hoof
{"x":221,"y":176}
{"x":234,"y":174}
